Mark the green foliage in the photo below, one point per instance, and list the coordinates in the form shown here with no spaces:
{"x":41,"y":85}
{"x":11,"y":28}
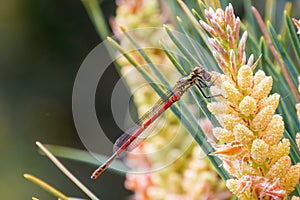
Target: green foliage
{"x":193,"y":49}
{"x":86,"y":157}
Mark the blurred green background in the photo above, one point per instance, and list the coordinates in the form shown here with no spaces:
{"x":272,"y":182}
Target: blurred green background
{"x":42,"y":44}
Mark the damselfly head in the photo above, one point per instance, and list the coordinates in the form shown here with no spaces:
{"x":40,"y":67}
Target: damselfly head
{"x":200,"y":71}
{"x":197,"y":69}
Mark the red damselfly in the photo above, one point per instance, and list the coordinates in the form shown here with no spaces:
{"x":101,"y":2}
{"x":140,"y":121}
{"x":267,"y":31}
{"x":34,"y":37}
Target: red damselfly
{"x":129,"y":140}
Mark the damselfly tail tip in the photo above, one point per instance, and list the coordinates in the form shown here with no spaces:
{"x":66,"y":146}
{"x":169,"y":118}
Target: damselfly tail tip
{"x":98,"y":171}
{"x":93,"y":176}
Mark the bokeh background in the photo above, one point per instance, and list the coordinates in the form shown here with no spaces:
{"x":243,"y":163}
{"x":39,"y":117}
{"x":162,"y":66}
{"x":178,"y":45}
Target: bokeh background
{"x":42,"y":44}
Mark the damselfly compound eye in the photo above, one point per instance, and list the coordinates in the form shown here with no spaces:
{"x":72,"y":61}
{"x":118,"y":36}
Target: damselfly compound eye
{"x":197,"y":70}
